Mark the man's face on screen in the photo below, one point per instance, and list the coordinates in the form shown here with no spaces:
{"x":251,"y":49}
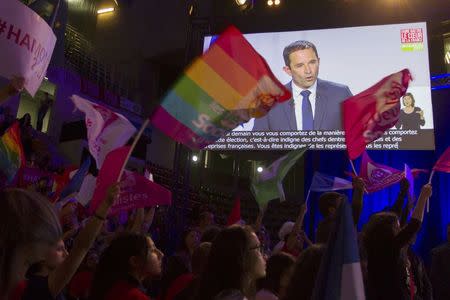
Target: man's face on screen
{"x":303,"y":67}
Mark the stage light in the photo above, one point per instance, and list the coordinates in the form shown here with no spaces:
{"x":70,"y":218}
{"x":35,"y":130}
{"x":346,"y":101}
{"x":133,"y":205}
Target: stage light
{"x":259,"y":169}
{"x":191,"y":9}
{"x":105,"y":10}
{"x":447,"y":57}
{"x":244,"y":5}
{"x":272,"y":3}
{"x":194,"y":158}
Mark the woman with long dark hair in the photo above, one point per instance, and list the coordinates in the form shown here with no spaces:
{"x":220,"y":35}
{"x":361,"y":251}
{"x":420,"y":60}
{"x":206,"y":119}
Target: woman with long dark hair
{"x":303,"y":279}
{"x":126,"y":262}
{"x":383,"y":241}
{"x":181,"y":262}
{"x":235,"y":263}
{"x":278,"y":272}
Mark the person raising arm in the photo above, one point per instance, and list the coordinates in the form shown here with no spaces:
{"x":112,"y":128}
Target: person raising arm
{"x":59,"y":266}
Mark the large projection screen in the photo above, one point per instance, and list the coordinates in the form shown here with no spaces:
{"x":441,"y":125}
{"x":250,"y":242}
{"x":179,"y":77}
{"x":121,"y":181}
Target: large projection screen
{"x":350,"y":61}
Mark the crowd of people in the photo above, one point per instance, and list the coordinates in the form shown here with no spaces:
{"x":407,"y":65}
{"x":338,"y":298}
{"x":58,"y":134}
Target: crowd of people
{"x":53,"y":248}
{"x":50,"y":253}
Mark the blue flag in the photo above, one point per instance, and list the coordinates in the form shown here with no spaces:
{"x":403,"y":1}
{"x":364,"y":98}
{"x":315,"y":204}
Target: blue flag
{"x":340,"y":275}
{"x":325,"y":183}
{"x":77,"y":179}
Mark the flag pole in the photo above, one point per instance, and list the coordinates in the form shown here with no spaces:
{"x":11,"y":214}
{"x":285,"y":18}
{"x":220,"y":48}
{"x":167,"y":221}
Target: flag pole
{"x":353,"y":167}
{"x":136,"y":139}
{"x":429,"y":182}
{"x":307,"y":197}
{"x":431,"y":176}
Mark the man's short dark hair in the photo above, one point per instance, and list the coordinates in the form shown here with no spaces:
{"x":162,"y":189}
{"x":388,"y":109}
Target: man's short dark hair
{"x":295,"y":46}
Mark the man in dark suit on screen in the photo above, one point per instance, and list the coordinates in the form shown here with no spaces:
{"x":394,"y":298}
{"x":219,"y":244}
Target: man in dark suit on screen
{"x":315,"y":103}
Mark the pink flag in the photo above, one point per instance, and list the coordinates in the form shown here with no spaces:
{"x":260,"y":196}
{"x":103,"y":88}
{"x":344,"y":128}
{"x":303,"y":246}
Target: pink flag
{"x":377,"y":176}
{"x":443,"y":163}
{"x":370,"y":113}
{"x":106,"y":130}
{"x":137,"y":191}
{"x":108,"y":174}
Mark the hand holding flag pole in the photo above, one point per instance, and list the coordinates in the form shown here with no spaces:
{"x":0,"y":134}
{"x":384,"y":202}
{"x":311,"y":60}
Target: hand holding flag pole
{"x":356,"y":174}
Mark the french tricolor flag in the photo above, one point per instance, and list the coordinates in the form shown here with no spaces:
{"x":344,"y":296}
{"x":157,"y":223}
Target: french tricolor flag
{"x":324,"y":183}
{"x":340,"y":275}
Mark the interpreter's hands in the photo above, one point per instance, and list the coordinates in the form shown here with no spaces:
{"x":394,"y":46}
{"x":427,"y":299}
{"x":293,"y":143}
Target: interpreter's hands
{"x":358,"y":183}
{"x":404,"y":185}
{"x":420,"y":112}
{"x":16,"y":84}
{"x":426,"y":191}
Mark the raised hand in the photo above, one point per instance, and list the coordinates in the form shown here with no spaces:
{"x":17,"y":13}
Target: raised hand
{"x":112,"y":194}
{"x":426,"y":191}
{"x":358,"y":183}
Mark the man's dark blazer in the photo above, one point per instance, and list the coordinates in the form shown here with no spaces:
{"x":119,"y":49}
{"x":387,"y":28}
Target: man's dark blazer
{"x":327,"y":114}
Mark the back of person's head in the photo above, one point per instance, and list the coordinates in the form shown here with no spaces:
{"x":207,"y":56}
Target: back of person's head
{"x":379,"y":231}
{"x":278,"y":272}
{"x":200,"y":258}
{"x":210,"y":234}
{"x":206,"y":218}
{"x":115,"y":262}
{"x":229,"y":265}
{"x":328,"y":203}
{"x":303,"y":279}
{"x":189,"y":240}
{"x":29,"y":228}
{"x":324,"y":230}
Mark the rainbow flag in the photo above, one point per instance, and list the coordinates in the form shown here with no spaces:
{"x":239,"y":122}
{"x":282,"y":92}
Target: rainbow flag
{"x":225,"y":87}
{"x":12,"y":157}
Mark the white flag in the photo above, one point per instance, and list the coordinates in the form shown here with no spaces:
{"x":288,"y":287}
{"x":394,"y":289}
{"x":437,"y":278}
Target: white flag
{"x":106,"y":130}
